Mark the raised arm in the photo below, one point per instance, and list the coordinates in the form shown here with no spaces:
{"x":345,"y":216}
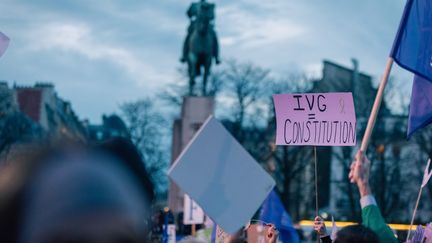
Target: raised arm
{"x":191,"y":11}
{"x":371,"y":214}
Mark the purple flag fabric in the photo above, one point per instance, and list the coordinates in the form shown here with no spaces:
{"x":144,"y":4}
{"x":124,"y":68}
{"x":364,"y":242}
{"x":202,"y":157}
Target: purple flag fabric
{"x":420,"y":112}
{"x":4,"y":43}
{"x":412,"y":50}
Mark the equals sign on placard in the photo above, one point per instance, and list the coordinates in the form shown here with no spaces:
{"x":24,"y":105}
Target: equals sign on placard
{"x":311,"y":116}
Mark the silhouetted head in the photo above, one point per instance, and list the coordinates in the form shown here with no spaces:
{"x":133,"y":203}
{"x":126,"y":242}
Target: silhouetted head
{"x":74,"y":195}
{"x":125,"y":151}
{"x":84,"y":197}
{"x":356,"y":234}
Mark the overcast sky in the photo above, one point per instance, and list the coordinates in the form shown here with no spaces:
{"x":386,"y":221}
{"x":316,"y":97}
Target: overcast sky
{"x":101,"y":53}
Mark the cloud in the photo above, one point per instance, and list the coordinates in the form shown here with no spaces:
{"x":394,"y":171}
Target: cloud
{"x":245,"y":29}
{"x":80,"y":38}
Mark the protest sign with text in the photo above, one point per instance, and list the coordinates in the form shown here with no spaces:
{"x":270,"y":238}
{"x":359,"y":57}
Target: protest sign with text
{"x":192,"y":213}
{"x":319,"y":119}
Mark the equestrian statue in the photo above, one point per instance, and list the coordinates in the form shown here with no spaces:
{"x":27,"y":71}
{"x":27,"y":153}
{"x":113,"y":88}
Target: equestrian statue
{"x":201,"y":44}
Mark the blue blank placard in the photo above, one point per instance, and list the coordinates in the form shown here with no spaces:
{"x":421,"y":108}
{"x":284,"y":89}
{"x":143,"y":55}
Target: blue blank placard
{"x":221,"y":176}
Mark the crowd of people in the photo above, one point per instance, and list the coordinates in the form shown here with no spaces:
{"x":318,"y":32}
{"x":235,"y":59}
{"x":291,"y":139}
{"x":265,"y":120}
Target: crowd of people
{"x":102,"y":193}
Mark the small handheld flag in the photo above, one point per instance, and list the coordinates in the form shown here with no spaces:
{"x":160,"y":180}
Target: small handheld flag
{"x":4,"y":43}
{"x":418,"y":235}
{"x":427,"y":175}
{"x":427,"y":235}
{"x":334,"y":230}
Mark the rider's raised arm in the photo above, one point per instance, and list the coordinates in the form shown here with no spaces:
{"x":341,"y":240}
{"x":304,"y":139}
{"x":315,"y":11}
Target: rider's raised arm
{"x":192,"y":11}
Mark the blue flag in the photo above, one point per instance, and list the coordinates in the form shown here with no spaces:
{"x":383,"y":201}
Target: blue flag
{"x":420,"y":112}
{"x":272,"y":211}
{"x":213,"y":235}
{"x":412,"y":50}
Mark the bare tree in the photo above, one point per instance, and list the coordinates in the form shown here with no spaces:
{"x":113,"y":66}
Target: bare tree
{"x":244,"y":84}
{"x":397,"y":94}
{"x":16,"y":128}
{"x":344,"y":158}
{"x":148,"y":127}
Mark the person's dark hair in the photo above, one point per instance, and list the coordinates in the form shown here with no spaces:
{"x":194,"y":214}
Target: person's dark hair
{"x":16,"y":174}
{"x":124,"y":150}
{"x":356,"y":234}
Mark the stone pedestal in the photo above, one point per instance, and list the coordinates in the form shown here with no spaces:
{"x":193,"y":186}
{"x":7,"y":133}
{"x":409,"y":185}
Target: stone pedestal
{"x":195,"y":110}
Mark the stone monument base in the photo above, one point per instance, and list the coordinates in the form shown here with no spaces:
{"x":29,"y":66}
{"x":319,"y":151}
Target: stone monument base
{"x":195,"y":110}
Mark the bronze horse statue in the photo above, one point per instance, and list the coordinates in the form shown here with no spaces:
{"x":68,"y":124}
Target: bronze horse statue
{"x":201,"y":44}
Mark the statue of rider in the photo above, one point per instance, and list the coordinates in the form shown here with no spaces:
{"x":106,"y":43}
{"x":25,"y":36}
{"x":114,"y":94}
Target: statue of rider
{"x":194,"y":13}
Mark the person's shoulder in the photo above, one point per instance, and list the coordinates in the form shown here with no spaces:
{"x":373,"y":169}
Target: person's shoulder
{"x":326,"y":239}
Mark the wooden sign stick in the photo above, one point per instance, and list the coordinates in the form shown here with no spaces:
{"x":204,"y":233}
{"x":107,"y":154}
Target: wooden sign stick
{"x":316,"y":187}
{"x":193,"y":233}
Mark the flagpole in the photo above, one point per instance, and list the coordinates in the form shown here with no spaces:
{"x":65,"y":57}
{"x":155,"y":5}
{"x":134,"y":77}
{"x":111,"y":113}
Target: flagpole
{"x":376,"y":106}
{"x":414,"y":213}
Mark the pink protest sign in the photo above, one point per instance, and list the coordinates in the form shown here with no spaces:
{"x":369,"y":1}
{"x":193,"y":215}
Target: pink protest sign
{"x":319,"y":119}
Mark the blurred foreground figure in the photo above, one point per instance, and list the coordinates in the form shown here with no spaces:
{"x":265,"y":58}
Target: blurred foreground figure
{"x":73,"y":196}
{"x":258,"y":232}
{"x":126,"y":152}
